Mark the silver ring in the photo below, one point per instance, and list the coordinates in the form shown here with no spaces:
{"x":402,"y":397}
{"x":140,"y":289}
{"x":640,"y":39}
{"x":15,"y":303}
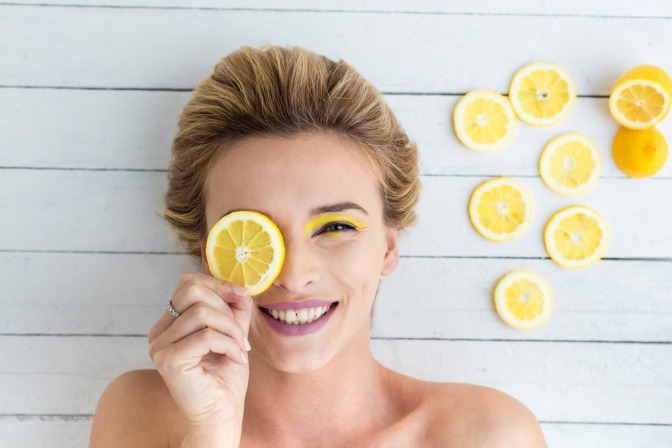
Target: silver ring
{"x":172,"y":310}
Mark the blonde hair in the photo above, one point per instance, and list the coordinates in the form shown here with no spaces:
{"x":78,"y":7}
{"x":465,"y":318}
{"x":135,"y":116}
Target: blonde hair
{"x":285,"y":92}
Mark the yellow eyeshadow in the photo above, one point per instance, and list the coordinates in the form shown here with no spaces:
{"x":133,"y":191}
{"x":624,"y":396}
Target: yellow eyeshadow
{"x":321,"y":220}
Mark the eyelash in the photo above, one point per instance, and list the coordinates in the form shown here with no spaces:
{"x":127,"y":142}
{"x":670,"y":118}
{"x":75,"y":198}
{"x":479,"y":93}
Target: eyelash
{"x":335,"y":227}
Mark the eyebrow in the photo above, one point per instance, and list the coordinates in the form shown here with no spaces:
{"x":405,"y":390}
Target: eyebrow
{"x":339,"y":207}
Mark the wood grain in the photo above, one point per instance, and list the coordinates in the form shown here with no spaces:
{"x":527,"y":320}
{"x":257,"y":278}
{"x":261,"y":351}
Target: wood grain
{"x":91,"y":91}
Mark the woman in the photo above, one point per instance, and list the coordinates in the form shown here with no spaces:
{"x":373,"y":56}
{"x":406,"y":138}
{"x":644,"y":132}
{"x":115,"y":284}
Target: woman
{"x":308,"y":142}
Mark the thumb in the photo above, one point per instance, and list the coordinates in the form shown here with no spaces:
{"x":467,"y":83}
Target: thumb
{"x":242,"y":311}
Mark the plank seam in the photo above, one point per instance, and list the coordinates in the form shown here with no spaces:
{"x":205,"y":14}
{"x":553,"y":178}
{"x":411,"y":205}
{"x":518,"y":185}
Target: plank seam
{"x":374,"y":338}
{"x":337,"y":11}
{"x":409,"y":257}
{"x":84,"y":417}
{"x":163,"y":170}
{"x":191,"y":89}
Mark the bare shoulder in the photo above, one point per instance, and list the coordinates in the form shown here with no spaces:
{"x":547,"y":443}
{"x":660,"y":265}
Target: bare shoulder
{"x":475,"y":416}
{"x":134,"y":411}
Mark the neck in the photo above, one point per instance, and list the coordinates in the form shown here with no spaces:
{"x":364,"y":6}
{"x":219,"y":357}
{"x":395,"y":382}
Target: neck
{"x":347,"y":397}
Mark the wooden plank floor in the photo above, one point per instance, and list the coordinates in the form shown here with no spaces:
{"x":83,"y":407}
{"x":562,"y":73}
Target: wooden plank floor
{"x":90,"y":93}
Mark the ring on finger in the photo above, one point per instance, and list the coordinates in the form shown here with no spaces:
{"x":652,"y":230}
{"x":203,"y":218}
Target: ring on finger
{"x":172,"y":310}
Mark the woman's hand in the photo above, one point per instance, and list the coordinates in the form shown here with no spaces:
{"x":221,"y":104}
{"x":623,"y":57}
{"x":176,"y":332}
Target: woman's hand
{"x":202,"y":354}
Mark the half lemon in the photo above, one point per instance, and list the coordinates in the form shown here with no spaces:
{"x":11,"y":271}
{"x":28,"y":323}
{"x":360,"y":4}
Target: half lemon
{"x":641,"y":97}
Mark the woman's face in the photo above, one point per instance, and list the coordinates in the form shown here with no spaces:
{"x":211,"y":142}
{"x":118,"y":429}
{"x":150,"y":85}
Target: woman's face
{"x":326,"y":202}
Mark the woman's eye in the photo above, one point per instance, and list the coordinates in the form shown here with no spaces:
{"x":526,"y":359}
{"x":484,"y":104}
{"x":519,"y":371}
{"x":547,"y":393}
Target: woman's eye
{"x":336,"y":227}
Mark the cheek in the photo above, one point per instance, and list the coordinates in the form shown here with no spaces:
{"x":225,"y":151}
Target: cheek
{"x":357,"y":267}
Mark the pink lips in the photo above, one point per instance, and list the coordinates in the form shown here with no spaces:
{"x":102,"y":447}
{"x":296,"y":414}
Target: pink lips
{"x":300,"y":329}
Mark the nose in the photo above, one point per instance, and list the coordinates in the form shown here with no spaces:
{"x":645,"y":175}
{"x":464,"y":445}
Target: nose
{"x":300,"y":268}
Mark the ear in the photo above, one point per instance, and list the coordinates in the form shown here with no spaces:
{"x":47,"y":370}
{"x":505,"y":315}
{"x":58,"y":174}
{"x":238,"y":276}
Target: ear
{"x":391,"y":259}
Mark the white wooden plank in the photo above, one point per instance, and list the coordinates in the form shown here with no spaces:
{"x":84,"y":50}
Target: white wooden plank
{"x":134,"y":129}
{"x":84,"y":210}
{"x":635,"y":211}
{"x":577,"y":382}
{"x":165,"y":48}
{"x":46,"y":128}
{"x":45,"y":431}
{"x":69,"y":432}
{"x":116,"y":211}
{"x":119,"y":294}
{"x":610,"y":435}
{"x":601,"y":8}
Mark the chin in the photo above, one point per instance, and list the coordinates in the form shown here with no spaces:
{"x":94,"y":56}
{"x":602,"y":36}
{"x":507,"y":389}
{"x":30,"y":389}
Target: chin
{"x":296,"y":362}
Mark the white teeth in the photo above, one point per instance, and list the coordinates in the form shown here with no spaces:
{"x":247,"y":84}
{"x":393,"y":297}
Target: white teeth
{"x":299,"y":316}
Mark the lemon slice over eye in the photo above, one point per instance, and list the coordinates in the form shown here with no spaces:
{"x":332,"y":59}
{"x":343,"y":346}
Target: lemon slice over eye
{"x":245,"y":248}
{"x":484,"y":121}
{"x":570,"y":164}
{"x":542,"y":94}
{"x":576,"y":237}
{"x":523,"y":300}
{"x":500,"y":209}
{"x":641,"y":97}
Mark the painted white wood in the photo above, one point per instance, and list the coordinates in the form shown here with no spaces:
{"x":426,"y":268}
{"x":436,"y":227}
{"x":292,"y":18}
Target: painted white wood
{"x":69,"y":432}
{"x":596,"y":375}
{"x":134,"y":130}
{"x":120,"y":294}
{"x":118,"y":211}
{"x":600,"y":8}
{"x":576,"y":382}
{"x":611,"y":435}
{"x":410,"y":52}
{"x":89,"y":129}
{"x":45,"y":431}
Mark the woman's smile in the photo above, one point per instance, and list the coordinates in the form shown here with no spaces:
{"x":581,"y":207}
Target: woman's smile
{"x":298,"y":318}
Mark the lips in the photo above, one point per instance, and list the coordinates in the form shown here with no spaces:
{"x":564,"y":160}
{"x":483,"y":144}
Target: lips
{"x":298,"y":318}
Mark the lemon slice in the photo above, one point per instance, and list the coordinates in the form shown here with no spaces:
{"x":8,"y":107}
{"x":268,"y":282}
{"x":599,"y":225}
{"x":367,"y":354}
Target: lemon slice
{"x":570,"y":164}
{"x":523,"y":300}
{"x":639,"y":153}
{"x":245,"y":248}
{"x":576,"y":237}
{"x":484,"y":121}
{"x":641,"y":97}
{"x":542,"y":94}
{"x":500,"y":209}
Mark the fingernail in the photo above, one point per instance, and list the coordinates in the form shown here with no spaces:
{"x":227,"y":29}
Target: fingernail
{"x":239,"y":290}
{"x":248,"y":347}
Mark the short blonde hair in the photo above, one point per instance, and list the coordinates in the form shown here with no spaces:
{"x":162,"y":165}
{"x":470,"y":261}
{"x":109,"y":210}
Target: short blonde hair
{"x":285,"y":92}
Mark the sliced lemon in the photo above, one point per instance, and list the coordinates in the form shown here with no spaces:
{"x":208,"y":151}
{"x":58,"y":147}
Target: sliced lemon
{"x":576,"y":237}
{"x":542,"y":94}
{"x":639,"y":153}
{"x":245,"y":248}
{"x":484,"y":121}
{"x":641,"y":97}
{"x":523,"y":300}
{"x":500,"y":209}
{"x":570,"y":164}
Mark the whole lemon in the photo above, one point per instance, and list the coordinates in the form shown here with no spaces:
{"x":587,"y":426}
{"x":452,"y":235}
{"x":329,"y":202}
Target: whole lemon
{"x":639,"y":153}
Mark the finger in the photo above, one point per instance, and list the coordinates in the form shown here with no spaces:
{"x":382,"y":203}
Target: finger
{"x":189,"y":351}
{"x":198,"y":317}
{"x":236,"y":297}
{"x":193,"y":288}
